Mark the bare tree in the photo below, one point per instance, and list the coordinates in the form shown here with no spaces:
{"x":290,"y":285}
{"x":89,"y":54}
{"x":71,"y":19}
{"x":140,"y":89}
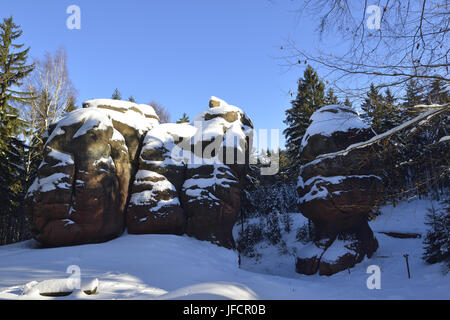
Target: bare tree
{"x":389,"y":42}
{"x":53,"y":89}
{"x":162,"y":112}
{"x":54,"y":96}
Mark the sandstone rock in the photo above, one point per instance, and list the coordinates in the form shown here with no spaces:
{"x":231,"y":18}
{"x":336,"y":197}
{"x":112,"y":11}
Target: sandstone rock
{"x":338,"y":193}
{"x":155,"y":206}
{"x":82,"y":186}
{"x":111,"y":165}
{"x":210,"y":194}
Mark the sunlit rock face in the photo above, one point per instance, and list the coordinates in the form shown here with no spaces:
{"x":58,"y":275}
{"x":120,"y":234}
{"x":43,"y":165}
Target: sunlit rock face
{"x":81,"y":190}
{"x":191,"y":176}
{"x":111,"y":166}
{"x":337,"y":192}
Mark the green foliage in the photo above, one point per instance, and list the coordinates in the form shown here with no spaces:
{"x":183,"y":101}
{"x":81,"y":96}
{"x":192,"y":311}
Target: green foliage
{"x":184,"y":118}
{"x":437,"y":93}
{"x":380,"y":111}
{"x":13,"y":69}
{"x":330,"y":98}
{"x":310,"y":97}
{"x":116,"y":95}
{"x":437,"y":240}
{"x":131,"y":99}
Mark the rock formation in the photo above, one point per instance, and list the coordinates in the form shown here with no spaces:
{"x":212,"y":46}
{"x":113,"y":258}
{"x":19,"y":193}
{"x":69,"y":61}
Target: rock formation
{"x":337,"y":192}
{"x":190,"y":176}
{"x":111,"y":165}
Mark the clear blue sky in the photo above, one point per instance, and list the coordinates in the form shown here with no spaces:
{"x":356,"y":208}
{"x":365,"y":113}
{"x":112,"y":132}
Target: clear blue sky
{"x":176,"y":52}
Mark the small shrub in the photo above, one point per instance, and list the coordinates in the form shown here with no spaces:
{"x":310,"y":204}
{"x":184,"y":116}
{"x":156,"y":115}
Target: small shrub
{"x":305,"y":233}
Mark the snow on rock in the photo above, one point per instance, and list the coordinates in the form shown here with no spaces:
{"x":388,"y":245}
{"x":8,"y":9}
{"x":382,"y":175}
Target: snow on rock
{"x":85,"y":174}
{"x":52,"y":182}
{"x":176,"y":173}
{"x":337,"y":194}
{"x":192,"y":161}
{"x":141,"y":117}
{"x":91,"y":119}
{"x":62,"y":158}
{"x":333,"y":118}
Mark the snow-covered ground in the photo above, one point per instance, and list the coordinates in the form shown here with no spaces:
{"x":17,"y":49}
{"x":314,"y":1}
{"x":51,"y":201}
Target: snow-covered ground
{"x":179,"y":267}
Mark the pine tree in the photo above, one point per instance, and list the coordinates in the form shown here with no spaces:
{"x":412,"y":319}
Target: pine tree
{"x":436,"y":93}
{"x":13,"y":70}
{"x":391,"y":112}
{"x":330,"y":98}
{"x":116,"y":95}
{"x":380,"y":110}
{"x":437,"y":240}
{"x":131,"y":99}
{"x":310,"y":97}
{"x":347,"y":102}
{"x":184,"y":118}
{"x":413,"y":94}
{"x":413,"y":97}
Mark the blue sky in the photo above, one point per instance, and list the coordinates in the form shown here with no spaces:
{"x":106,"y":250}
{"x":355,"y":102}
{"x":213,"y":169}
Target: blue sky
{"x":176,"y":52}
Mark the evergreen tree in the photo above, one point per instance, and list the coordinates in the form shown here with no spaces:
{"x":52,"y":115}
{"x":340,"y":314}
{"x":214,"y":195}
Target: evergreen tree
{"x":371,"y":107}
{"x":116,"y":95}
{"x":436,"y":93}
{"x":391,"y":112}
{"x":330,"y":98}
{"x":13,"y":69}
{"x":437,"y":240}
{"x":413,"y":94}
{"x":184,"y":119}
{"x":131,"y":99}
{"x":310,"y":97}
{"x":347,"y":102}
{"x":380,"y":111}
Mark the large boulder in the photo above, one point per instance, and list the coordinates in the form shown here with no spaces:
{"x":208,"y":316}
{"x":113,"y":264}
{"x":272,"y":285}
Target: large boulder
{"x":215,"y":175}
{"x":155,"y":206}
{"x":337,"y":192}
{"x":81,"y":190}
{"x":111,"y":165}
{"x":190,"y":176}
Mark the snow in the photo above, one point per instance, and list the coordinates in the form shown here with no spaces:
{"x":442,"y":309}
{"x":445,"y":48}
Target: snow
{"x":92,"y":119}
{"x":326,"y":122}
{"x":321,"y":191}
{"x":214,"y":271}
{"x":63,"y":158}
{"x":117,"y":136}
{"x":155,"y":187}
{"x":50,"y":183}
{"x":165,"y":136}
{"x":426,"y":115}
{"x":407,"y":217}
{"x":141,"y":117}
{"x":337,"y":249}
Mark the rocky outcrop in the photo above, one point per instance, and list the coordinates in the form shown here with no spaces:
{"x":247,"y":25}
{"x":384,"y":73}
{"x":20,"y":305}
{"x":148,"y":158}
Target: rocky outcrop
{"x":199,"y":171}
{"x":111,"y":165}
{"x":155,"y":205}
{"x":212,"y":188}
{"x":338,"y":192}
